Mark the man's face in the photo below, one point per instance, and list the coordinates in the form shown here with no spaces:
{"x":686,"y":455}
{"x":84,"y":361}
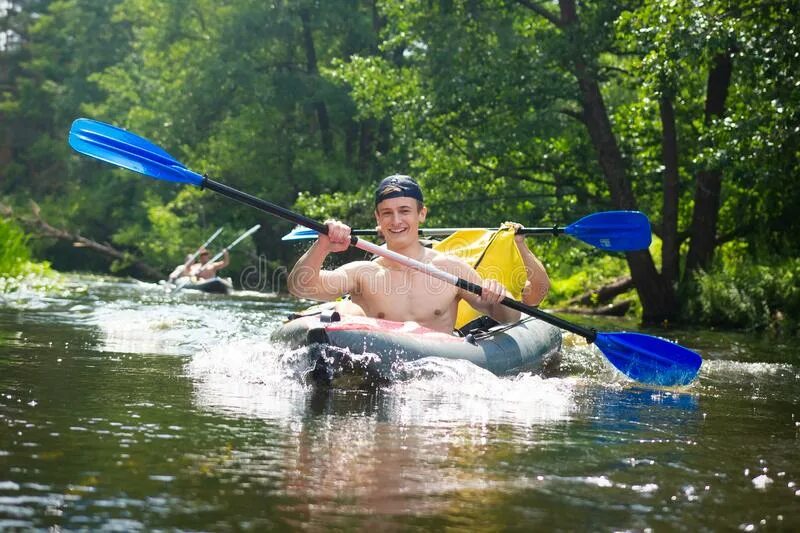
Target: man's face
{"x":399,"y":219}
{"x":204,"y":257}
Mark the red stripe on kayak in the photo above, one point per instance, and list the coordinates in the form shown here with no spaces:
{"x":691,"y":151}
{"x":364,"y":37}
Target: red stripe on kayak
{"x":378,"y":325}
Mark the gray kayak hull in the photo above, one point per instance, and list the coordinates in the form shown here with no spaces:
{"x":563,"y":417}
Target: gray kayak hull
{"x":353,"y":348}
{"x":212,"y":286}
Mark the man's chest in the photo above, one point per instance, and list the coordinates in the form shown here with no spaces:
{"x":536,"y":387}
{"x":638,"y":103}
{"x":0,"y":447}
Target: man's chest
{"x":410,"y":295}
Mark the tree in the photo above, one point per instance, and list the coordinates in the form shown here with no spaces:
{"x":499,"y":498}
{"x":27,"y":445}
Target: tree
{"x":235,"y":91}
{"x":477,"y":73}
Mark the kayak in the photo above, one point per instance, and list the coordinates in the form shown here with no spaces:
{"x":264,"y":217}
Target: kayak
{"x":212,"y":285}
{"x":360,"y":352}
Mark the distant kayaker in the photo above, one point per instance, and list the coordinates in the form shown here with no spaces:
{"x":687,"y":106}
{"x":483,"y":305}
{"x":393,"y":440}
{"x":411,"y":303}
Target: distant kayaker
{"x":385,"y":289}
{"x":181,"y":270}
{"x":201,"y":269}
{"x":205,"y":270}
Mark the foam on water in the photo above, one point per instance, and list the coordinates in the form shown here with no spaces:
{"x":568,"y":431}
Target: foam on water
{"x":247,"y":380}
{"x":434,"y":389}
{"x":260,"y":377}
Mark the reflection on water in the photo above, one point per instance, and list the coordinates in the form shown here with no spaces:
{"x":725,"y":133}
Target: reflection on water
{"x":126,"y":407}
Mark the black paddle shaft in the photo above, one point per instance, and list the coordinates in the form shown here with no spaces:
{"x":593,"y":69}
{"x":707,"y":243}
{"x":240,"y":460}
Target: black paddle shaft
{"x":263,"y":205}
{"x":589,"y":334}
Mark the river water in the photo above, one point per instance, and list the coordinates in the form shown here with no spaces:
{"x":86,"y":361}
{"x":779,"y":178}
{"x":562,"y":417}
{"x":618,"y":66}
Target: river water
{"x":123,"y":407}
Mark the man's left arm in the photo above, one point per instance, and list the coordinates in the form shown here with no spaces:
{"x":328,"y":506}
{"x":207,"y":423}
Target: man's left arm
{"x":219,"y":265}
{"x":226,"y":259}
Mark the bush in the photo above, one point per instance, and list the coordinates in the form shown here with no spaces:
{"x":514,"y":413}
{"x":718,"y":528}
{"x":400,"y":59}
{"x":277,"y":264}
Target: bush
{"x":16,"y":267}
{"x":749,"y":296}
{"x":14,"y":253}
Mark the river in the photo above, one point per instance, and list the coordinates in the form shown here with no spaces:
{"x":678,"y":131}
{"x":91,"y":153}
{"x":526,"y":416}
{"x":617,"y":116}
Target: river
{"x":123,"y":407}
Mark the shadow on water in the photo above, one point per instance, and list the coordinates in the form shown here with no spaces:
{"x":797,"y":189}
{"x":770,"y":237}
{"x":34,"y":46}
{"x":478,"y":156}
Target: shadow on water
{"x":124,"y":407}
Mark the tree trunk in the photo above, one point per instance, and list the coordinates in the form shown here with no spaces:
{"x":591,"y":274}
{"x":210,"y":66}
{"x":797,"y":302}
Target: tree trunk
{"x":350,"y":140}
{"x":603,"y":295}
{"x":366,"y":146}
{"x":313,"y":70}
{"x":657,"y":297}
{"x":708,"y":184}
{"x":670,"y":253}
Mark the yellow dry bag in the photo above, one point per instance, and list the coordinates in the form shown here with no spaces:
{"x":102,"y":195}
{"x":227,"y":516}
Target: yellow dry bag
{"x":494,"y":254}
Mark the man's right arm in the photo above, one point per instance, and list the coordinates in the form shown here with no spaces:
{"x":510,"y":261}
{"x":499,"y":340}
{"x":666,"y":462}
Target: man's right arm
{"x":308,"y":280}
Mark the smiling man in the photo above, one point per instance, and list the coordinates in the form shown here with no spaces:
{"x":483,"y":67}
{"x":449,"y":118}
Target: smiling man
{"x":386,"y":289}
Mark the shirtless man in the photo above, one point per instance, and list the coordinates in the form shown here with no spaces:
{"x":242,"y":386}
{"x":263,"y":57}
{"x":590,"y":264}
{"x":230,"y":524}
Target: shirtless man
{"x":205,"y":270}
{"x":386,"y":289}
{"x":200,"y":270}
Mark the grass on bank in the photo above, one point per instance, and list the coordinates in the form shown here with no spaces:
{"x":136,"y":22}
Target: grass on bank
{"x":750,"y":296}
{"x":16,"y":266}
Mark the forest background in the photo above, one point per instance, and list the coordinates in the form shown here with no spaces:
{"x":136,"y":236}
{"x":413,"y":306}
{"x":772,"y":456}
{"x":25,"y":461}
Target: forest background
{"x":534,"y":111}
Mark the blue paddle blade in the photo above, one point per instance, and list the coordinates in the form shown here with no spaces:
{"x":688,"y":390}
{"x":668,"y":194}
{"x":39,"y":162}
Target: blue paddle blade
{"x":299,"y":234}
{"x":616,"y":231}
{"x":127,"y":150}
{"x":649,"y":359}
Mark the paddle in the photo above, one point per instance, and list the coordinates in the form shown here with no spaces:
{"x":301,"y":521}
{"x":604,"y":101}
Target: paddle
{"x":194,"y":255}
{"x":614,"y":231}
{"x":234,"y":243}
{"x":644,"y":358}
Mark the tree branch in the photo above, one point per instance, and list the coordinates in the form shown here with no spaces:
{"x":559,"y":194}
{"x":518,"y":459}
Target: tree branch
{"x":495,"y":171}
{"x":542,"y":12}
{"x":41,"y":227}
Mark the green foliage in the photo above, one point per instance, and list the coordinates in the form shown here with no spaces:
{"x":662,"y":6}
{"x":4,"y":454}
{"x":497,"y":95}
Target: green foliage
{"x":14,"y":253}
{"x":355,"y":209}
{"x":15,"y":259}
{"x":473,"y":109}
{"x":170,"y":230}
{"x":575,"y":269}
{"x":749,"y":296}
{"x":671,"y":46}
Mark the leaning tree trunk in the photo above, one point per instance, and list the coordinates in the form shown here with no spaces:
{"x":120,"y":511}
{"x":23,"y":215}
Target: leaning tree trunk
{"x":39,"y":226}
{"x":708,"y":184}
{"x":657,"y":297}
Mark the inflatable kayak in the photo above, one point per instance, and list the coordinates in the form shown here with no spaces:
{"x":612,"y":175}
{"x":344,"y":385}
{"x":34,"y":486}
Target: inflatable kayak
{"x":349,"y":351}
{"x":213,"y":285}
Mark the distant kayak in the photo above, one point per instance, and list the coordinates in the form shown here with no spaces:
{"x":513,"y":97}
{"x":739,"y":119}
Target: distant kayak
{"x":356,"y":351}
{"x":214,"y":285}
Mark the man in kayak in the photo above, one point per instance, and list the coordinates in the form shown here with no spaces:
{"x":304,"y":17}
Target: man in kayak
{"x":385,"y":289}
{"x":201,"y":269}
{"x":205,"y":270}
